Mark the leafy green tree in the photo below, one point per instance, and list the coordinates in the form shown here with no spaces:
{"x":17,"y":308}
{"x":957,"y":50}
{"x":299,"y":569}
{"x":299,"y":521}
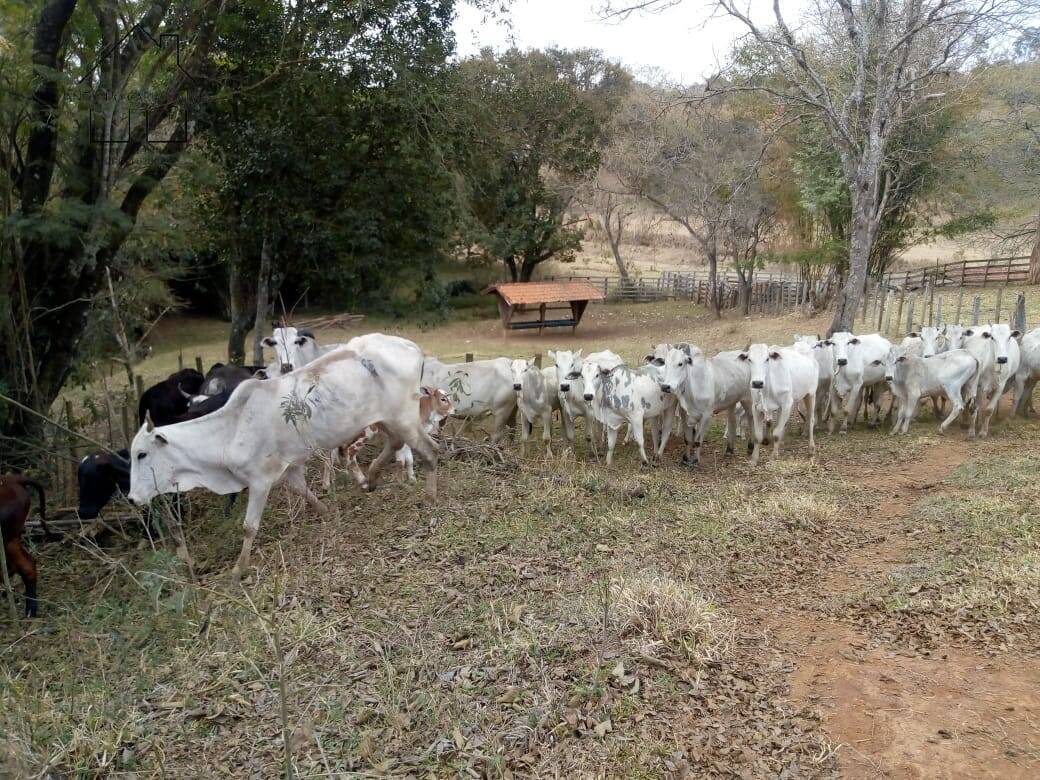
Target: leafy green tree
{"x":532,"y":126}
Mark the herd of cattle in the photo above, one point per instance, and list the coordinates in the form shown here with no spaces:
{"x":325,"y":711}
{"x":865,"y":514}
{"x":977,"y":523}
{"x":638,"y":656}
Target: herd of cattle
{"x":255,"y":427}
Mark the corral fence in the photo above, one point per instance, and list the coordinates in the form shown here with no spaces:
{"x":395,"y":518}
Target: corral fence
{"x":962,"y":273}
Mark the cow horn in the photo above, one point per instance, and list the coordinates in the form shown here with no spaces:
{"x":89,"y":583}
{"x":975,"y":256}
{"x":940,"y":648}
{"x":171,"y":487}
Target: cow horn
{"x":148,"y":424}
{"x":187,"y":396}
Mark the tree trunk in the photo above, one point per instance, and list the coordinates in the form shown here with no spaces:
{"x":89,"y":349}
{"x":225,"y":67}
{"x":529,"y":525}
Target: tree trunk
{"x":527,"y":268}
{"x":713,"y":274}
{"x":614,"y":237}
{"x":242,"y":308}
{"x":514,"y":274}
{"x":861,"y":240}
{"x":263,"y":298}
{"x":1034,"y":258}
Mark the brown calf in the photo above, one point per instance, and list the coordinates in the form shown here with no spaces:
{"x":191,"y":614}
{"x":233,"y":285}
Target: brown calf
{"x":434,"y":406}
{"x":14,"y":511}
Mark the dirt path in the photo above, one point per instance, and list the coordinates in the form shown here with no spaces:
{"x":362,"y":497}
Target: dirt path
{"x":889,"y":712}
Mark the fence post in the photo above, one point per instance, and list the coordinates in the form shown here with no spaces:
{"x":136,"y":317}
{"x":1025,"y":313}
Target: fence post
{"x":910,"y":316}
{"x":960,"y":301}
{"x":996,"y":312}
{"x":1018,"y":320}
{"x":881,"y":311}
{"x":938,"y":312}
{"x":180,"y":360}
{"x":931,"y":302}
{"x":976,"y":307}
{"x":1007,"y":274}
{"x":198,"y":364}
{"x":538,"y":359}
{"x":469,"y":357}
{"x":139,"y":385}
{"x":125,"y":414}
{"x":899,"y":311}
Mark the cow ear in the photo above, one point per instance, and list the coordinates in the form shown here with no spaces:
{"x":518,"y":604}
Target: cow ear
{"x":969,"y":332}
{"x":742,"y":356}
{"x":648,"y":358}
{"x":1016,"y":334}
{"x":307,"y":334}
{"x":161,"y":439}
{"x":875,"y":362}
{"x":854,"y":341}
{"x":425,"y":391}
{"x":901,"y":359}
{"x":604,"y":371}
{"x":913,"y":335}
{"x":260,"y":373}
{"x":774,"y":355}
{"x":269,"y":342}
{"x":552,"y":355}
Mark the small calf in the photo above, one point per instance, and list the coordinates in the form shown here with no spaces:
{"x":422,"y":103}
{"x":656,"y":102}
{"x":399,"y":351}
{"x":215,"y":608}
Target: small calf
{"x":945,"y":375}
{"x":536,"y":397}
{"x":14,"y":511}
{"x":434,"y":406}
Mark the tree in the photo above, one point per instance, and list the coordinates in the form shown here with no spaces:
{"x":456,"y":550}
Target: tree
{"x":693,"y":162}
{"x":532,"y":128}
{"x":104,"y":121}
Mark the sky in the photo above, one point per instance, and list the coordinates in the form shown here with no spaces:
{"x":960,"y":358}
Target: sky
{"x":684,"y":41}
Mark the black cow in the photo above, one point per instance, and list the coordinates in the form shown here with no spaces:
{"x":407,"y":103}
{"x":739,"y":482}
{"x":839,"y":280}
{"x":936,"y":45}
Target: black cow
{"x":222,"y":377}
{"x":166,"y":400}
{"x":100,"y":473}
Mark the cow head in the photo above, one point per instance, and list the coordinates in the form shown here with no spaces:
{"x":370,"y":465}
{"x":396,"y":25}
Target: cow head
{"x":439,"y":401}
{"x":759,"y":357}
{"x":954,"y":336}
{"x":897,"y":362}
{"x":659,"y":354}
{"x":846,"y":355}
{"x":292,"y":347}
{"x":999,"y":338}
{"x":153,"y":464}
{"x":568,"y":369}
{"x":677,"y":362}
{"x":99,"y":475}
{"x":927,"y":343}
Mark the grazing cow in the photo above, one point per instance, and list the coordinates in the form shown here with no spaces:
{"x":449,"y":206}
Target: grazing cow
{"x":1028,"y":372}
{"x":165,"y":400}
{"x":99,"y":475}
{"x":618,"y":395}
{"x":434,"y":406}
{"x":912,"y":377}
{"x":995,"y":346}
{"x":859,"y":364}
{"x":781,"y":378}
{"x":537,"y":398}
{"x":14,"y":511}
{"x":477,"y":389}
{"x":268,"y":429}
{"x":704,"y":386}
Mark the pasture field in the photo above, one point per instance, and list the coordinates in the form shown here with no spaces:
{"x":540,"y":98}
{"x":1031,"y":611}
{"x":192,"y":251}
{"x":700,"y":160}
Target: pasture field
{"x":872,"y":611}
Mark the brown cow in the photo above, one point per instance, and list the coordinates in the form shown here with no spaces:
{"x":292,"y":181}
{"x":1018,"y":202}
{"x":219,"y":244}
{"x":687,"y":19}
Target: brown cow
{"x":14,"y":511}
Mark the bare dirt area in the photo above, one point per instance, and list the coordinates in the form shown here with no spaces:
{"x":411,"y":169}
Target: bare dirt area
{"x":890,"y":711}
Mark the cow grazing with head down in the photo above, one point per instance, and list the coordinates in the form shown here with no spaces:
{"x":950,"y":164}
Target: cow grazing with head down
{"x":781,"y":378}
{"x":704,"y":386}
{"x":100,"y":475}
{"x":537,"y":397}
{"x":477,"y":389}
{"x":1028,"y":372}
{"x":434,"y":406}
{"x":996,"y":348}
{"x":167,"y":399}
{"x":268,"y":429}
{"x":619,"y":395}
{"x":15,"y":503}
{"x":911,"y":377}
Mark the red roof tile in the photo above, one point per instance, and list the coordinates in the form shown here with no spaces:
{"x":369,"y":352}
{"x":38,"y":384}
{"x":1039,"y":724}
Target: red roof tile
{"x":545,"y":292}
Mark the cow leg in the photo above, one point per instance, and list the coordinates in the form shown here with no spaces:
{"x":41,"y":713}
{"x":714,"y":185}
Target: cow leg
{"x":834,"y":402}
{"x":611,"y":441}
{"x":407,"y":461}
{"x":811,"y":401}
{"x":391,"y":445}
{"x":525,"y":432}
{"x":909,"y":409}
{"x":20,"y":562}
{"x":758,"y":424}
{"x":990,"y":410}
{"x":296,"y":480}
{"x":665,"y":432}
{"x":547,"y":432}
{"x":422,"y":443}
{"x":731,"y":429}
{"x":500,"y":420}
{"x":352,"y":465}
{"x":698,"y":438}
{"x":329,"y":470}
{"x":635,"y":431}
{"x":954,"y":394}
{"x":781,"y":425}
{"x":852,"y":407}
{"x":254,"y":511}
{"x":568,"y":425}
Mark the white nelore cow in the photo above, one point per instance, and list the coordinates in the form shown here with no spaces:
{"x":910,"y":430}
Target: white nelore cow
{"x":268,"y":429}
{"x":572,"y":391}
{"x":823,"y":353}
{"x":293,"y":348}
{"x":859,"y":364}
{"x":537,"y":397}
{"x":1028,"y":372}
{"x":953,"y":336}
{"x":619,"y":395}
{"x":911,"y":377}
{"x":477,"y":389}
{"x":704,"y":386}
{"x":929,"y":341}
{"x":996,"y":349}
{"x":780,"y":379}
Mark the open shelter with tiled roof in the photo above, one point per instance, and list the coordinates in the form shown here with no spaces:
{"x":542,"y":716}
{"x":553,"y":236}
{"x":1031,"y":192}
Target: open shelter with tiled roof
{"x":520,"y":297}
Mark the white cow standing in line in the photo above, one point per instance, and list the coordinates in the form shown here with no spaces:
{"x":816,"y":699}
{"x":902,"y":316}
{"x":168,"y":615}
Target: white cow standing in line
{"x":704,"y":386}
{"x":859,"y":364}
{"x":1028,"y":372}
{"x":823,"y":353}
{"x":620,"y":395}
{"x":477,"y":389}
{"x":911,"y":377}
{"x":995,"y":346}
{"x":537,"y":397}
{"x":269,"y":428}
{"x":781,"y":378}
{"x":927,"y":342}
{"x":572,"y":394}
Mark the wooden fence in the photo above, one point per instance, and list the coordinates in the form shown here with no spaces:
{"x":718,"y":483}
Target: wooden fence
{"x":962,"y":273}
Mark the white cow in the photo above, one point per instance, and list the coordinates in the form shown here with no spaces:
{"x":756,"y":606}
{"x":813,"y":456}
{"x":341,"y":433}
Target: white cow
{"x":823,"y":354}
{"x":912,"y":377}
{"x":268,"y":429}
{"x":571,"y":392}
{"x":477,"y":389}
{"x":953,"y":336}
{"x":859,"y":364}
{"x":704,"y":386}
{"x":620,"y":395}
{"x":929,"y":341}
{"x":781,"y":378}
{"x":1028,"y":372}
{"x":293,"y":348}
{"x":537,"y":397}
{"x":996,"y":349}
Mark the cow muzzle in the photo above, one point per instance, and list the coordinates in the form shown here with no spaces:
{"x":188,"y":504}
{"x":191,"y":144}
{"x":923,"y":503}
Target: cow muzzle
{"x":666,"y":388}
{"x":757,"y":385}
{"x":587,"y":396}
{"x":286,"y":368}
{"x":842,"y":362}
{"x":565,"y":388}
{"x":889,"y":378}
{"x":1002,"y":359}
{"x":518,"y":388}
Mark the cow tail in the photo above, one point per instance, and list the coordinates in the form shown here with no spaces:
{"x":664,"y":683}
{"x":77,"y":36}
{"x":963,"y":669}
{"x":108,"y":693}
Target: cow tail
{"x":43,"y":505}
